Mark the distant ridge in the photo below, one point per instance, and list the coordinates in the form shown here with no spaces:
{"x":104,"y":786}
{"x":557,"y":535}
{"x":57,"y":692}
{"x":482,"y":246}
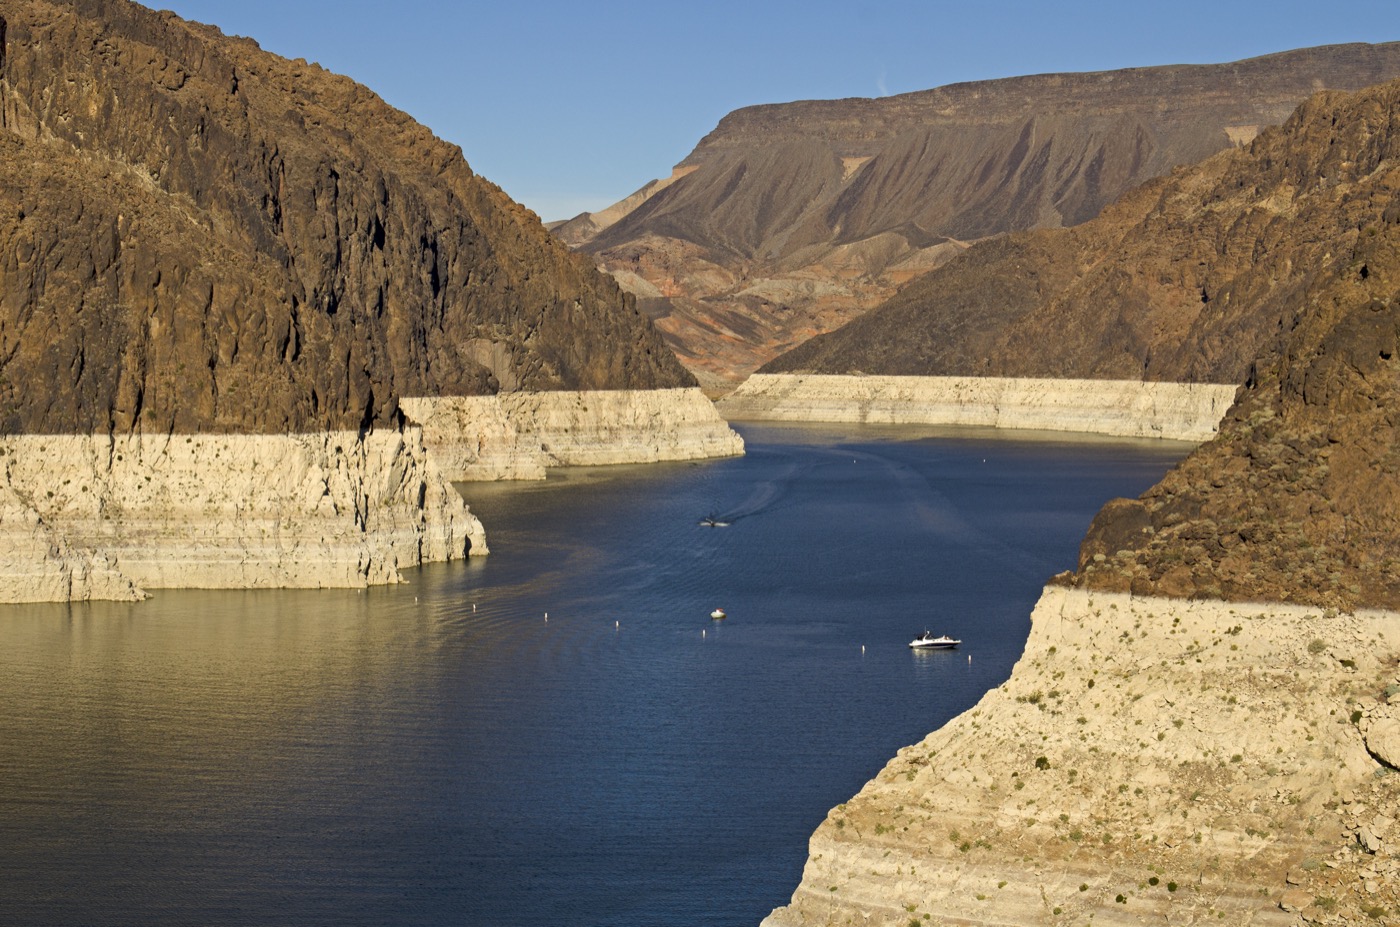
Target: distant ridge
{"x":794,"y":218}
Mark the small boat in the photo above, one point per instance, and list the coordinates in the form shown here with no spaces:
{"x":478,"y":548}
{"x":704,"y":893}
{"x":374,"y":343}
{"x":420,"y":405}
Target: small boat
{"x":710,"y":521}
{"x":718,"y":614}
{"x":928,"y":641}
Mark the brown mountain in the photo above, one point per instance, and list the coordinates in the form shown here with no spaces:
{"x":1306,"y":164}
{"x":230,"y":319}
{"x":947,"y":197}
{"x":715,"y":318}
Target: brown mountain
{"x":1187,"y":278}
{"x":196,"y":235}
{"x":1278,"y":267}
{"x":1299,"y":497}
{"x":789,"y":220}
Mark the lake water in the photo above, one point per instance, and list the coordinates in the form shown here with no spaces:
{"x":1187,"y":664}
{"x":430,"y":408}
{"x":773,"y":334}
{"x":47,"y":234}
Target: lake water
{"x":440,"y":752}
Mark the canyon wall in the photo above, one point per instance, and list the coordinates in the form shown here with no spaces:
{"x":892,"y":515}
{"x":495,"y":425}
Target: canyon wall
{"x":1127,"y":408}
{"x":1149,"y":760}
{"x":85,"y":516}
{"x":220,"y":273}
{"x":518,"y":435}
{"x":101,"y":517}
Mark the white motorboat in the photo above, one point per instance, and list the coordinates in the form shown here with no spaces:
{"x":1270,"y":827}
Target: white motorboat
{"x":928,"y":642}
{"x":717,"y":614}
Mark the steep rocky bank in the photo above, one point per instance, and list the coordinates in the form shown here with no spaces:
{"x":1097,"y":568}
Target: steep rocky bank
{"x":1149,"y":760}
{"x":1200,"y":728}
{"x":100,"y":517}
{"x":792,"y":219}
{"x":1126,"y":408}
{"x":220,"y":274}
{"x":200,"y":236}
{"x":519,"y":435}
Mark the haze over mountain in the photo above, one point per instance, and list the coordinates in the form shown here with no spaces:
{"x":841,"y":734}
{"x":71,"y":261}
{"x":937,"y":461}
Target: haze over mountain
{"x":790,"y":219}
{"x":199,"y":236}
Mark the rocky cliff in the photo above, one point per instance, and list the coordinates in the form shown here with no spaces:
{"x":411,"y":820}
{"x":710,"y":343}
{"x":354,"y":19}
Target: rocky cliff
{"x":1200,"y":728}
{"x":201,"y":239}
{"x":1126,"y":408}
{"x":1188,"y":278}
{"x":200,"y":236}
{"x":789,"y":220}
{"x":1149,"y":761}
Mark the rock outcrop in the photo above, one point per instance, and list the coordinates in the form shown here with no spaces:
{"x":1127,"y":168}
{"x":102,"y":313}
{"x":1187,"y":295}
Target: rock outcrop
{"x":519,"y":435}
{"x":93,"y":516}
{"x":220,"y":273}
{"x":200,"y":236}
{"x":792,"y":219}
{"x":1149,"y":760}
{"x":1298,"y":498}
{"x":1126,"y":408}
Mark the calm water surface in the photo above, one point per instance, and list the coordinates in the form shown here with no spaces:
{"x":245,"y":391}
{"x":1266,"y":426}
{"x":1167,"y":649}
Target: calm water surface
{"x":441,"y":753}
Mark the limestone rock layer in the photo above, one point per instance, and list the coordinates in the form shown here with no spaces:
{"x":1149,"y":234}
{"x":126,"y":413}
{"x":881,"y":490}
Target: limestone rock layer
{"x":85,"y":516}
{"x":519,"y":435}
{"x":1149,"y":760}
{"x":1125,"y":408}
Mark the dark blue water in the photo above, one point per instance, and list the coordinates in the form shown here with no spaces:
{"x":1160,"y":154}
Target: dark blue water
{"x":440,"y":753}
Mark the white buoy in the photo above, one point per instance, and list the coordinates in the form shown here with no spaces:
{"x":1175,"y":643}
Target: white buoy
{"x":617,"y":624}
{"x":862,"y":646}
{"x":969,"y":658}
{"x":473,"y":606}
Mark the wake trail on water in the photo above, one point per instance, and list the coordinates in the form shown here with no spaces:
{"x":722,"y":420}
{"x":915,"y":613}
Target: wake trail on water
{"x":764,"y":498}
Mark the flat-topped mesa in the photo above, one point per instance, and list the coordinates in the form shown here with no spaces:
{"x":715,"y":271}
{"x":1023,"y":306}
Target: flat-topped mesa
{"x":792,"y":219}
{"x":201,"y":239}
{"x":1123,"y":408}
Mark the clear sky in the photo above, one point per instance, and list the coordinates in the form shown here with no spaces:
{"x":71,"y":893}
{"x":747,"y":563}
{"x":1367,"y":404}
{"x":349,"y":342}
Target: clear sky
{"x":571,"y":105}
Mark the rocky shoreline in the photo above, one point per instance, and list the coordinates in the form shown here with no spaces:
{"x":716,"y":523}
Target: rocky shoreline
{"x":1122,"y":408}
{"x":1148,"y":759}
{"x":99,"y":517}
{"x":519,"y":435}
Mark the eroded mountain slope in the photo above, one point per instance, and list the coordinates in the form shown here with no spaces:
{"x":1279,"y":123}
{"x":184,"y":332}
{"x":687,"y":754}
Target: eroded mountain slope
{"x":791,"y":219}
{"x":197,"y":235}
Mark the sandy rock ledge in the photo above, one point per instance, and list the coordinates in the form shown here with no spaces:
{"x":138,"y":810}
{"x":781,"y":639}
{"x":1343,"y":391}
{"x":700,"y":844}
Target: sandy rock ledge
{"x":518,"y":435}
{"x":1124,"y":408}
{"x":94,"y":517}
{"x":1149,"y":761}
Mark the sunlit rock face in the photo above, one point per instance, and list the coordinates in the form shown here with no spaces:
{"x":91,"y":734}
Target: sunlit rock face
{"x":220,"y":273}
{"x":1125,"y":408}
{"x":792,"y":219}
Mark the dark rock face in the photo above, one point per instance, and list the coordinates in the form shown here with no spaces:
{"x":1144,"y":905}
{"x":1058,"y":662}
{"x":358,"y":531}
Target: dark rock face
{"x":1298,"y":498}
{"x":794,"y":218}
{"x":196,"y":235}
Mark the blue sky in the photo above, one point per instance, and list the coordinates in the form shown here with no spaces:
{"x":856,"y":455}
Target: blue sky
{"x":573,"y":105}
